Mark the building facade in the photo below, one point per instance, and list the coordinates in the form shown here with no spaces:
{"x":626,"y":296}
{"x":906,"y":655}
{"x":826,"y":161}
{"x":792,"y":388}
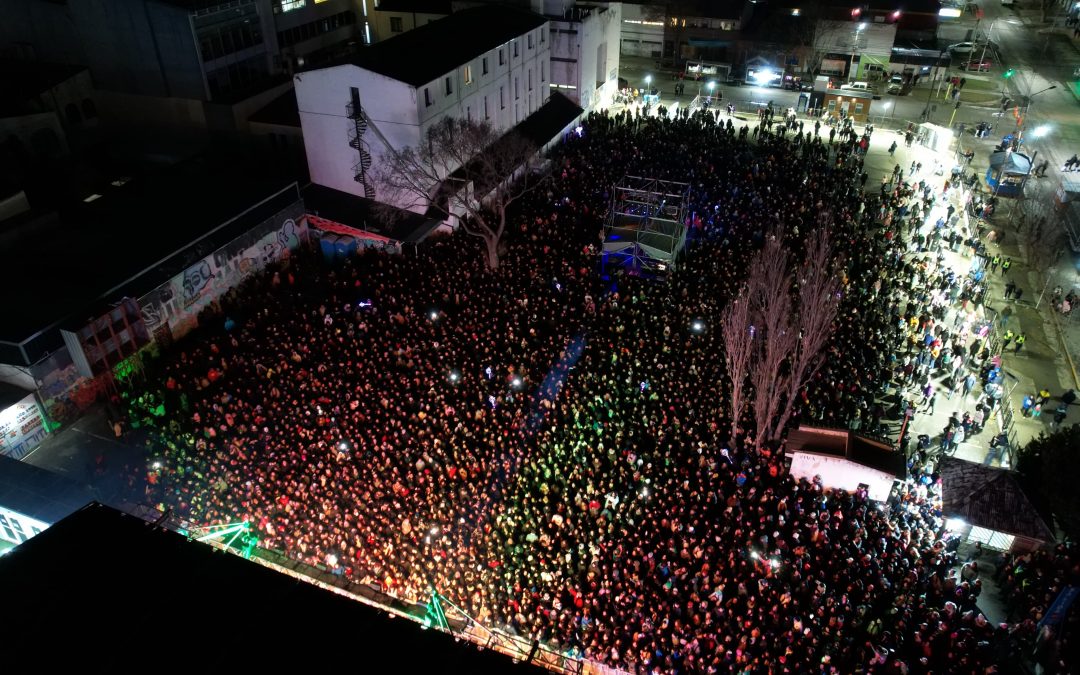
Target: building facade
{"x":494,"y":67}
{"x":184,"y":62}
{"x":585,"y":54}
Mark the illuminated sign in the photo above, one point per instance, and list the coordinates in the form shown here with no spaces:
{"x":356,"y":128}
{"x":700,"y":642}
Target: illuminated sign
{"x":949,"y":12}
{"x":22,"y":428}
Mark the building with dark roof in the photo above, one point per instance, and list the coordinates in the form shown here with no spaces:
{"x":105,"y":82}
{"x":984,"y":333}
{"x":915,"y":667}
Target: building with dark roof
{"x":103,"y":591}
{"x":394,"y":17}
{"x":420,"y":56}
{"x":487,"y":64}
{"x":103,"y":245}
{"x":202,"y":64}
{"x":984,"y":500}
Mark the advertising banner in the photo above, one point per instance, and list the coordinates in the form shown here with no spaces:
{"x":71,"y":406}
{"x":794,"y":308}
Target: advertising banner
{"x":22,"y":428}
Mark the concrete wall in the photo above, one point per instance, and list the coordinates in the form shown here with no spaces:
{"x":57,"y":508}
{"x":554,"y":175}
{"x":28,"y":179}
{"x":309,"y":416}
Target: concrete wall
{"x":35,"y":132}
{"x":120,"y":109}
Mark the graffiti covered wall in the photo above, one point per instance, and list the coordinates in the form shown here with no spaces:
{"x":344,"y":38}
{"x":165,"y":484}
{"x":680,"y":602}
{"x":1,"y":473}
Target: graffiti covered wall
{"x":172,"y":309}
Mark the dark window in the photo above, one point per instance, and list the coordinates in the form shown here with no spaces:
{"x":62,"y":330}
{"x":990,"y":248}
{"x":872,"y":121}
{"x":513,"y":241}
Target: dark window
{"x":484,"y":66}
{"x":71,"y":111}
{"x":395,"y":24}
{"x":427,"y":97}
{"x":448,"y":85}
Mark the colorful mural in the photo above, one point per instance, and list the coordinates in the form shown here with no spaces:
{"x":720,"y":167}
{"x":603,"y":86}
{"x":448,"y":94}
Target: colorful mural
{"x":172,"y":309}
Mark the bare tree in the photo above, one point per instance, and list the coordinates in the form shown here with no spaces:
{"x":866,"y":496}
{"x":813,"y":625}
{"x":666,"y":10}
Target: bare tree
{"x":769,"y":292}
{"x":1040,"y":232}
{"x":818,"y":303}
{"x":736,"y":326}
{"x":463,"y":171}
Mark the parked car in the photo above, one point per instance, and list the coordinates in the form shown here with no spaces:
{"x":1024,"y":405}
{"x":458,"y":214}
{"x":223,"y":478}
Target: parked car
{"x":897,"y":85}
{"x":981,"y":66}
{"x":967,"y":48}
{"x":798,"y":85}
{"x":961,"y":48}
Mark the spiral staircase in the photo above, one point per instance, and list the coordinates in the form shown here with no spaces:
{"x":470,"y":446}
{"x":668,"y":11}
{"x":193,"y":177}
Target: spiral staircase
{"x":362,"y":169}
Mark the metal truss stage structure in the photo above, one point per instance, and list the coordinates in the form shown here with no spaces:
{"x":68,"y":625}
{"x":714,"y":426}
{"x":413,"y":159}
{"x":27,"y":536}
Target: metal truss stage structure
{"x":647,"y":223}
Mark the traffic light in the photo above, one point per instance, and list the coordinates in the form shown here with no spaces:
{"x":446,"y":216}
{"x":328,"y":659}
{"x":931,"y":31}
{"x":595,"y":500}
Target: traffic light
{"x":1009,"y":73}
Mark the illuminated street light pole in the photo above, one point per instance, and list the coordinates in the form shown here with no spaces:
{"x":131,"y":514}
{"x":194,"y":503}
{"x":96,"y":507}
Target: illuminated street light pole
{"x":855,"y":48}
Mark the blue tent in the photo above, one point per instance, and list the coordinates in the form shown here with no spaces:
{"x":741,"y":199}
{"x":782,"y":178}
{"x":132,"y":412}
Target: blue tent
{"x":1011,"y":170}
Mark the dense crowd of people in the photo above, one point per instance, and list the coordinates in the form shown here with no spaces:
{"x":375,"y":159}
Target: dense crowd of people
{"x":547,"y":445}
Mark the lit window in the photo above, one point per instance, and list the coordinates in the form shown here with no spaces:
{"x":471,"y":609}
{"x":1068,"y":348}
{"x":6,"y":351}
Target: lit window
{"x":396,"y":25}
{"x":290,"y":5}
{"x":468,"y":75}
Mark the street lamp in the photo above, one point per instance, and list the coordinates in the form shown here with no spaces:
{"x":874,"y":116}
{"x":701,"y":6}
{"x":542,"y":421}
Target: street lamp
{"x":986,"y":43}
{"x":855,"y":48}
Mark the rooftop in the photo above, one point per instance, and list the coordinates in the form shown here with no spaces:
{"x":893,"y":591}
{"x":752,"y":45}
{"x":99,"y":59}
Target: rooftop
{"x":541,"y":126}
{"x":103,"y":591}
{"x":456,"y":40}
{"x":990,"y":498}
{"x":356,"y":212}
{"x":418,"y":6}
{"x":22,"y":80}
{"x":95,"y":246}
{"x":282,"y":111}
{"x":39,"y":493}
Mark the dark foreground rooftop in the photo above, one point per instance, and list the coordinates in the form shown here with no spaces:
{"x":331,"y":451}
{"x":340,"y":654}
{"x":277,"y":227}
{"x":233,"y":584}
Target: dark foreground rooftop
{"x":102,"y":591}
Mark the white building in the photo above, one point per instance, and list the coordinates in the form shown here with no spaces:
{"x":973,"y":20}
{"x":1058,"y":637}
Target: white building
{"x":585,"y":52}
{"x":642,"y":32}
{"x":857,"y":51}
{"x":489,"y":63}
